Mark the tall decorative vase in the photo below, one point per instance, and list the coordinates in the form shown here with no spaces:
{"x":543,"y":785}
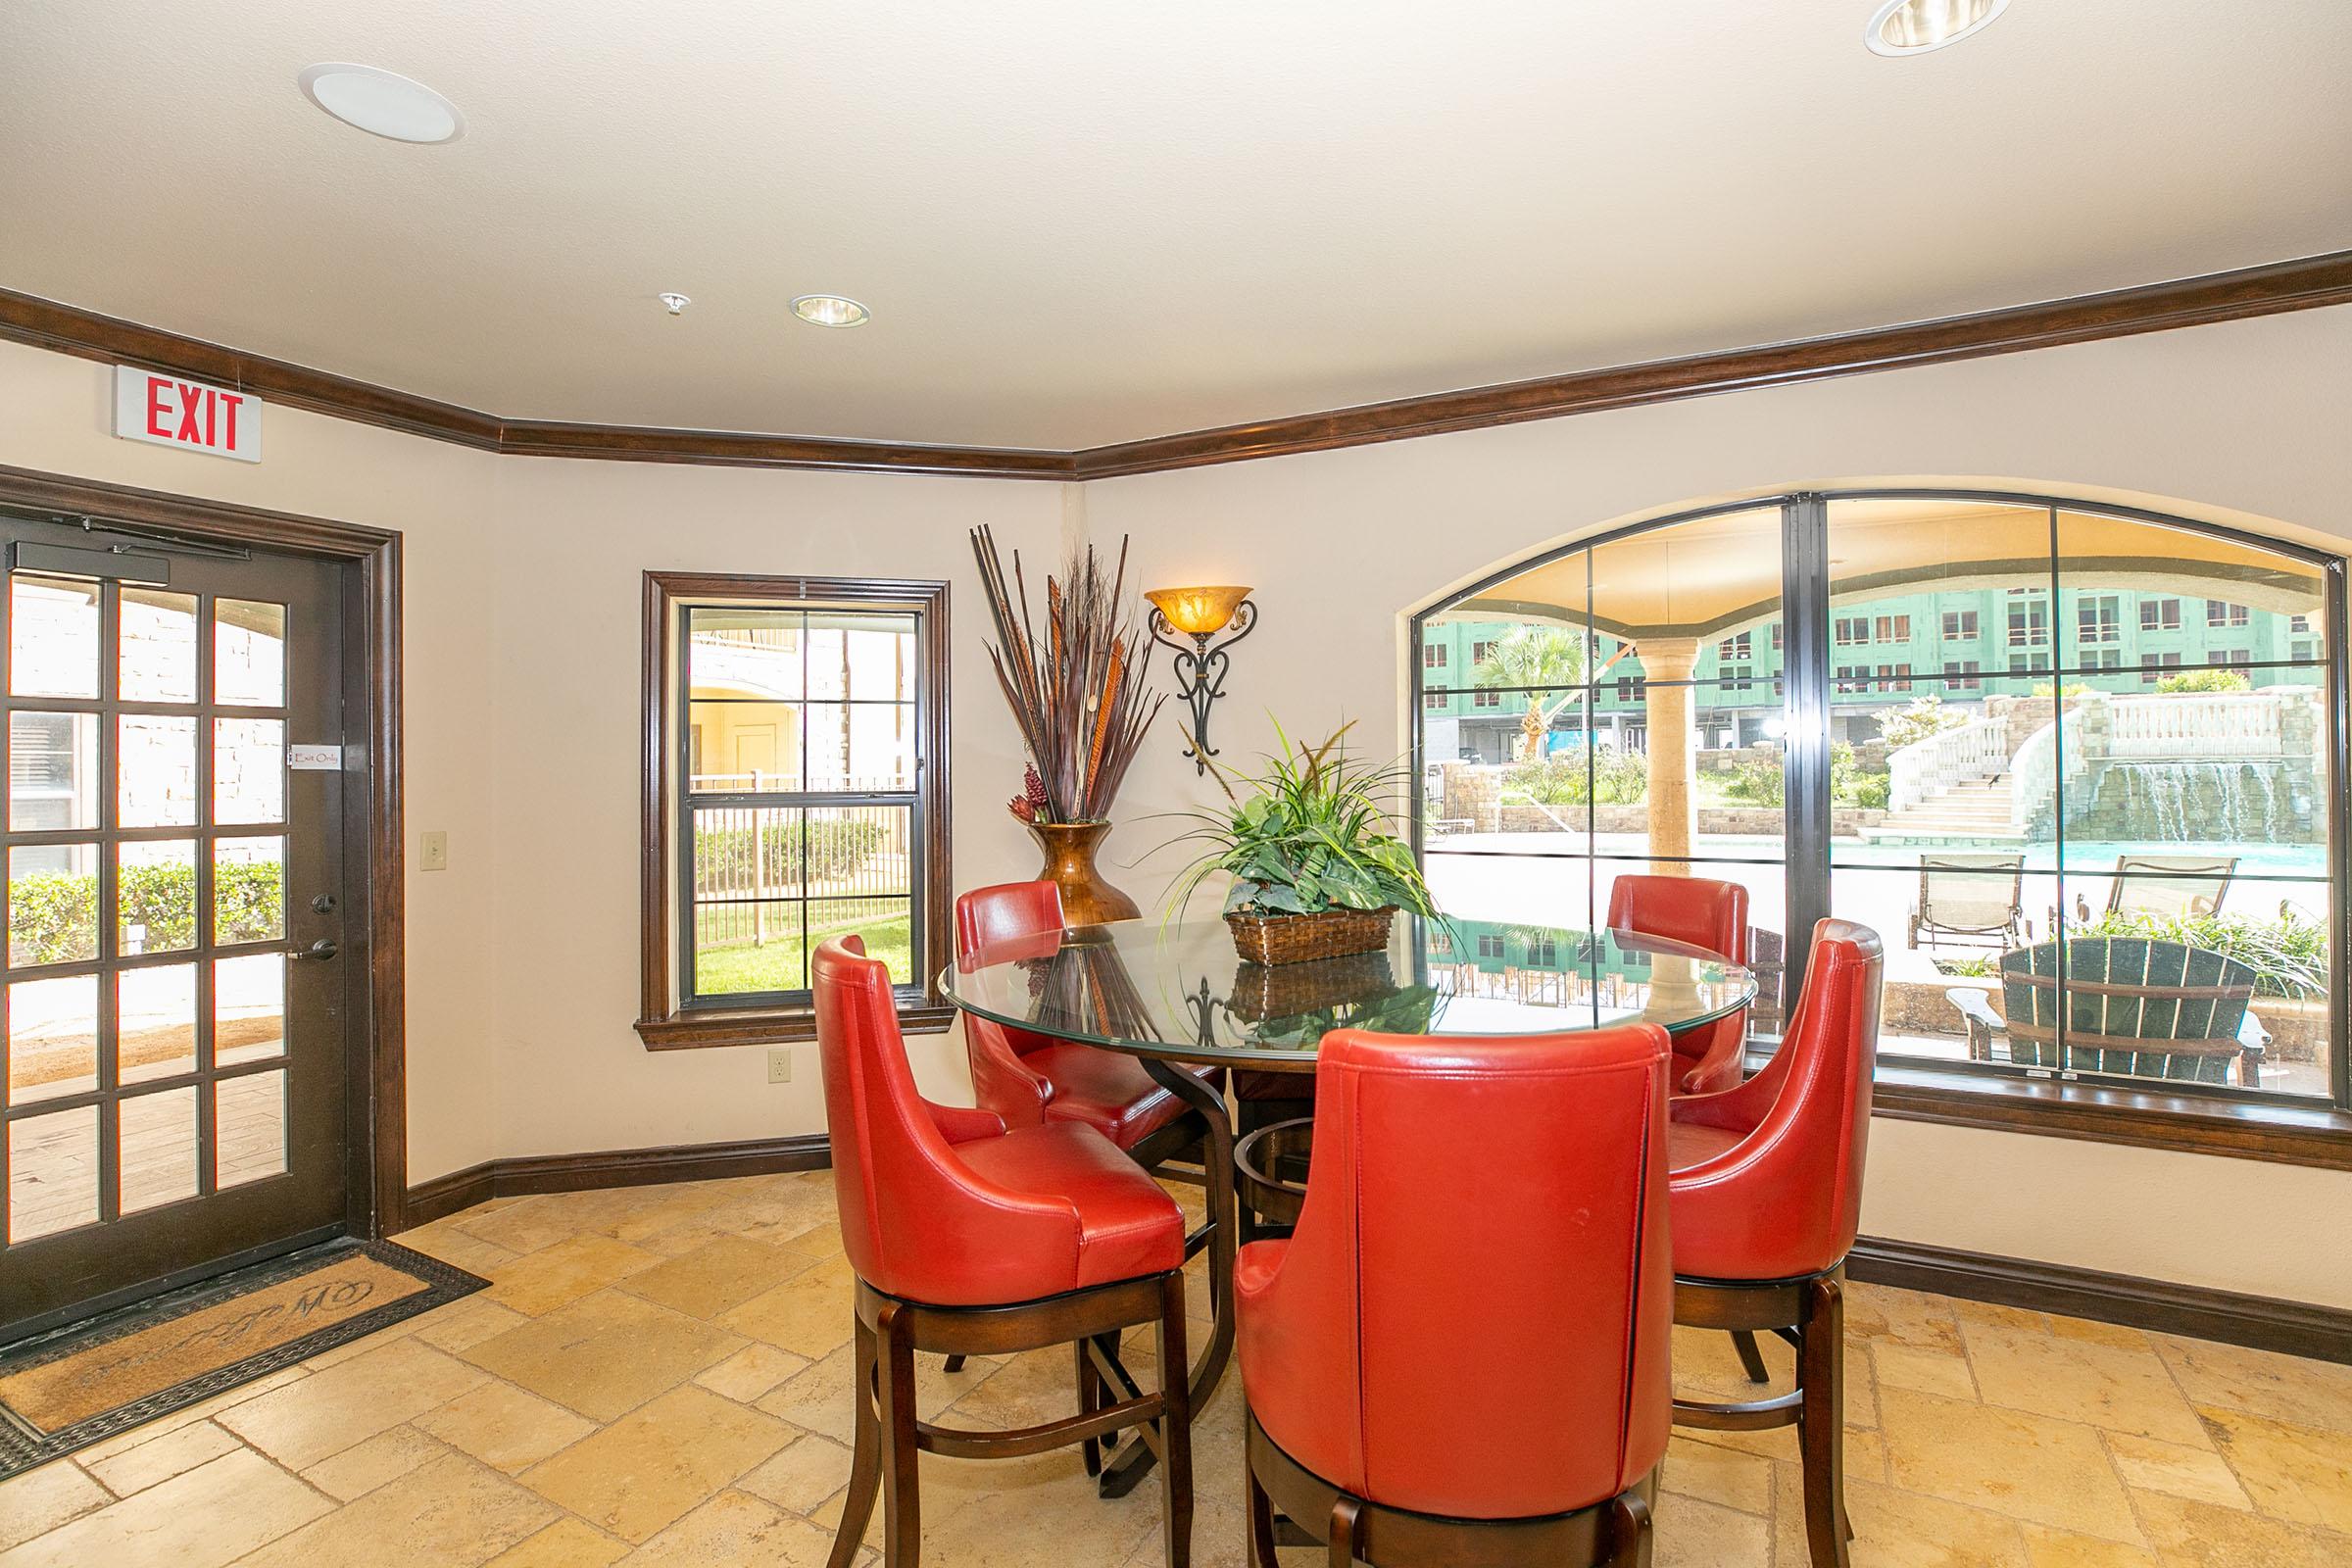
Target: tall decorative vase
{"x":1086,"y":899}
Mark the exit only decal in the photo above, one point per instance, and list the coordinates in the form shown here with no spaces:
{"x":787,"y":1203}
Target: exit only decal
{"x":192,"y":416}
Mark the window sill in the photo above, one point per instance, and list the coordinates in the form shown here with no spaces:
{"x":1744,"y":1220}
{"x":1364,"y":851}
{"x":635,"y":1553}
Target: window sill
{"x":2198,"y":1125}
{"x":702,"y":1027}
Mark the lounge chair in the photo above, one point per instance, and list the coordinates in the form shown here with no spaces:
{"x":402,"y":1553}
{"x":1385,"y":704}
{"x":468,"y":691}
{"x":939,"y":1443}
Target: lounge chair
{"x":2165,"y":886}
{"x":2134,"y":1006}
{"x":1971,"y":897}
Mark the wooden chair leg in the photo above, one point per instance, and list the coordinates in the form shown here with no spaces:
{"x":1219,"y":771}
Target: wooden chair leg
{"x":1630,"y":1534}
{"x":1090,"y":1399}
{"x":1751,"y":1359}
{"x":1821,"y":1428}
{"x":1175,"y":1424}
{"x":953,"y":1364}
{"x":902,"y":1512}
{"x":865,"y":1456}
{"x":1344,"y":1511}
{"x":1261,"y":1517}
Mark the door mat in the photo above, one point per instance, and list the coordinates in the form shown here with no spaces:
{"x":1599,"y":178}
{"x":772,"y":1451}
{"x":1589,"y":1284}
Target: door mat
{"x":77,"y":1384}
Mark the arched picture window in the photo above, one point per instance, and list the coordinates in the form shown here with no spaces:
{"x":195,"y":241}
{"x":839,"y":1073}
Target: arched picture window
{"x":2076,"y":764}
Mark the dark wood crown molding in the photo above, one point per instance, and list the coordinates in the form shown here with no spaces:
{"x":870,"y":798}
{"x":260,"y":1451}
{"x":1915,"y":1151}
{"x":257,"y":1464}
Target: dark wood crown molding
{"x":70,"y":329}
{"x":2306,"y":283}
{"x":2297,"y":285}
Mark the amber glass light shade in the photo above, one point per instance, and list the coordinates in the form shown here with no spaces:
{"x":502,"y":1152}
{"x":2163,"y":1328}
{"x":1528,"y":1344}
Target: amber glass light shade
{"x":1198,"y":611}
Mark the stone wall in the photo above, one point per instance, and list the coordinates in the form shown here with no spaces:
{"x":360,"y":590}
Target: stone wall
{"x":2253,"y":800}
{"x":1750,"y":821}
{"x":1467,"y":798}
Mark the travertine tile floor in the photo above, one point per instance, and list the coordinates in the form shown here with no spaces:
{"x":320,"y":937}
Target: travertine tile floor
{"x":660,"y":1376}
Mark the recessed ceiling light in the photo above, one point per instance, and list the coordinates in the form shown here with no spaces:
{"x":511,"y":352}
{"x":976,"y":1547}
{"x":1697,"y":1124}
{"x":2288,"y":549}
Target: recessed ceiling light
{"x":829,"y":310}
{"x":1915,"y":26}
{"x":382,"y":104}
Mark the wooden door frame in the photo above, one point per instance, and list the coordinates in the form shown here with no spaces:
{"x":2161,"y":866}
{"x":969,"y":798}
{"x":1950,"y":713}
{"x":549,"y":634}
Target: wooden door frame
{"x":376,"y":913}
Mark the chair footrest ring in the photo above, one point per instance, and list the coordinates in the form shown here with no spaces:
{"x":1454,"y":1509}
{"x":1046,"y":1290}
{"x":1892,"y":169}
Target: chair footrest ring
{"x":1264,"y":1165}
{"x":1754,"y":1415}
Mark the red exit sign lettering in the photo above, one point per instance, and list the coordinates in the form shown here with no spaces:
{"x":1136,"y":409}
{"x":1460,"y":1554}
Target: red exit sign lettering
{"x":171,"y":411}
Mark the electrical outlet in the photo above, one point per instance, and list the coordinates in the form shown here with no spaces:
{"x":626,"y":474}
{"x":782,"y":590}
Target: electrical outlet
{"x":779,"y":1065}
{"x":432,"y":851}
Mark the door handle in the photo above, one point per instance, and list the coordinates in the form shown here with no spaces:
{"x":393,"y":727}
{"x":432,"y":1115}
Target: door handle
{"x":320,"y":949}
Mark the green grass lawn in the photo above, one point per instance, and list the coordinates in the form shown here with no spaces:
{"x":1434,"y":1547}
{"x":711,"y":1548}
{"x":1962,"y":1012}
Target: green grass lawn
{"x":779,"y":964}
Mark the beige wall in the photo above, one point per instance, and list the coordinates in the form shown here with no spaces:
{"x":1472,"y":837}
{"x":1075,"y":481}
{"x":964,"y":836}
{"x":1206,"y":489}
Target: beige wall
{"x":523,"y":630}
{"x":522,"y":635}
{"x":573,"y":538}
{"x":2238,"y":423}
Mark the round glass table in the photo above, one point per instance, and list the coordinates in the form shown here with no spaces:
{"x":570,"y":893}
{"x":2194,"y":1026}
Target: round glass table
{"x":1178,"y":996}
{"x":1179,"y":992}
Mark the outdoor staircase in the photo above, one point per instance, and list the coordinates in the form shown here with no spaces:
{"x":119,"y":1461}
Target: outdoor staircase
{"x":1976,"y":810}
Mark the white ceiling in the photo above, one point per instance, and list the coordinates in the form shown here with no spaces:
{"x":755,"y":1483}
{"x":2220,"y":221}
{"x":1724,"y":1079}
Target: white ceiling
{"x":1080,"y":221}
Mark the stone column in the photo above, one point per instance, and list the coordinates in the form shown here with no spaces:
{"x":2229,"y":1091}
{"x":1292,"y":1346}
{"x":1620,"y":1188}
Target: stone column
{"x":1673,"y":764}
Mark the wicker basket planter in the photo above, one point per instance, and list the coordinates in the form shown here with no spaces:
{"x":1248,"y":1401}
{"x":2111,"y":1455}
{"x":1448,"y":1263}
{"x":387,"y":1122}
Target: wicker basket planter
{"x":1264,"y":993}
{"x":1272,"y":939}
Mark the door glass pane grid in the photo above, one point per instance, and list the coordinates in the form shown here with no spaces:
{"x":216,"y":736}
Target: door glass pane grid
{"x":150,"y":771}
{"x":801,"y":791}
{"x":52,"y":770}
{"x":156,"y":661}
{"x":249,"y":1141}
{"x":249,"y":654}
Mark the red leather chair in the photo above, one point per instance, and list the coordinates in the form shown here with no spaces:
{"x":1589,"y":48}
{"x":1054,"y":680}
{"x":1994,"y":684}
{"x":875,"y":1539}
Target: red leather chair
{"x":1767,"y":1198}
{"x":1029,"y":1079}
{"x":1700,"y":913}
{"x":1460,"y":1356}
{"x":974,"y":1239}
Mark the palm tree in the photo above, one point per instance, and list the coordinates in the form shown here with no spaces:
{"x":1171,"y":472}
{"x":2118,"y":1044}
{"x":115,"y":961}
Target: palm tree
{"x":1532,"y":657}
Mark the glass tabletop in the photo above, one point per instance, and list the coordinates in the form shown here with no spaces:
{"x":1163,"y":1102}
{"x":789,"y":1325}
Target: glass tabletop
{"x":1179,"y":991}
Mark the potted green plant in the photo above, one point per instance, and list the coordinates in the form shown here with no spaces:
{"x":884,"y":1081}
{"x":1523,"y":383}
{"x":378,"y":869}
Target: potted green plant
{"x":1317,"y":868}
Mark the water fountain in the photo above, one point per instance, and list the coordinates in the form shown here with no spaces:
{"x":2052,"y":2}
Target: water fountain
{"x":2197,"y":801}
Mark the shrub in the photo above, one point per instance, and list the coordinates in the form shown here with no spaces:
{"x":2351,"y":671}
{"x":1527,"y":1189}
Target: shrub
{"x":52,"y":915}
{"x":1759,"y":779}
{"x":1924,"y":715}
{"x":2289,"y":956}
{"x":1611,"y":777}
{"x":2204,"y":681}
{"x":1868,"y":792}
{"x":837,"y":847}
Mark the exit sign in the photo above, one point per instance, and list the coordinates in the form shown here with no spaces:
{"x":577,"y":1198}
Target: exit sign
{"x":192,"y":416}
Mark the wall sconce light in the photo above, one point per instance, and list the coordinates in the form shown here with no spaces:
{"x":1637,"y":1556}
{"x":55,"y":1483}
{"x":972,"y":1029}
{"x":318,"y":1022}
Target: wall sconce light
{"x":1199,"y":614}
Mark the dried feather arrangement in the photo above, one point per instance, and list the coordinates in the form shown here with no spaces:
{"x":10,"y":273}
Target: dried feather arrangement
{"x":1077,"y":686}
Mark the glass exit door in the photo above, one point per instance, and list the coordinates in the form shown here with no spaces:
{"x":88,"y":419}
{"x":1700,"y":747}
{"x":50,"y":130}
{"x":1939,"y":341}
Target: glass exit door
{"x":171,"y":1011}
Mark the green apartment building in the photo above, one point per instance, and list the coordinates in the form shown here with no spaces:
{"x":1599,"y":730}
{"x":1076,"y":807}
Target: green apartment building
{"x":1962,"y":645}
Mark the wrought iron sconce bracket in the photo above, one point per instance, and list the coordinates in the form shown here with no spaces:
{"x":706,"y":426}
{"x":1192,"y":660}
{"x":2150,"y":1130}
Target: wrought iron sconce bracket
{"x":1202,"y":662}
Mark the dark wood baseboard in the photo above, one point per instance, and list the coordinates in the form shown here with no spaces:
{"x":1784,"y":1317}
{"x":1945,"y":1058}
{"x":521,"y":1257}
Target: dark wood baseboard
{"x":527,"y":1174}
{"x":2261,"y":1322}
